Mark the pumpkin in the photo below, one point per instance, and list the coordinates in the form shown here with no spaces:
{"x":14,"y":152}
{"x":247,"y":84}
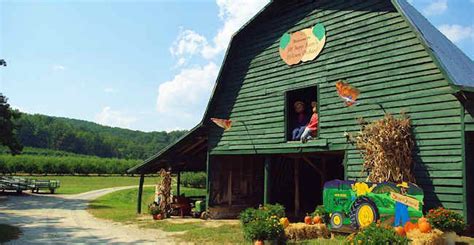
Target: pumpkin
{"x":258,"y":242}
{"x":307,"y":220}
{"x":410,"y":226}
{"x":400,"y":231}
{"x":317,"y":220}
{"x":422,"y":219}
{"x":284,"y":222}
{"x":424,"y":227}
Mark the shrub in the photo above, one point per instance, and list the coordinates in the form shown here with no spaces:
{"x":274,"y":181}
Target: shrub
{"x":376,"y":234}
{"x":263,"y":223}
{"x":446,"y":220}
{"x":193,"y":179}
{"x":154,"y":209}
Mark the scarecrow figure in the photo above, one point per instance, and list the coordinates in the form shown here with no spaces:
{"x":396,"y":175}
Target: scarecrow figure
{"x":401,"y":209}
{"x":300,"y":121}
{"x":312,"y":126}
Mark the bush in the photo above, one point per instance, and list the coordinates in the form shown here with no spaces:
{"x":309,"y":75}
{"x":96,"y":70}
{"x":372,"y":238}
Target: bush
{"x":193,"y":179}
{"x":446,"y":220}
{"x":263,"y":223}
{"x":376,"y":234}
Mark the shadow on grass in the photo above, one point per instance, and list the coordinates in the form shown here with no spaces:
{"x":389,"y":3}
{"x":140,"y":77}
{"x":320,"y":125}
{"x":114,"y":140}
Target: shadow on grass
{"x":8,"y":233}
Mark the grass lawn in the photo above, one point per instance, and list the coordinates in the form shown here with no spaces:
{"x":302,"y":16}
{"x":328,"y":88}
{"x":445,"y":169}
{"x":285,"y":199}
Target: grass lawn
{"x":79,"y":184}
{"x":117,"y":207}
{"x":8,"y":233}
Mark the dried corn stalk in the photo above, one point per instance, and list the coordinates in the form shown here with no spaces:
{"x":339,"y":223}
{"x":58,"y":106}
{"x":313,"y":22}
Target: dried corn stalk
{"x":165,"y":190}
{"x":386,"y":146}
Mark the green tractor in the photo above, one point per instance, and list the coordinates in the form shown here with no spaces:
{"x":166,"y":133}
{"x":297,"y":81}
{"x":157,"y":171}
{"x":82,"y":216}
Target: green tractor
{"x":359,"y":204}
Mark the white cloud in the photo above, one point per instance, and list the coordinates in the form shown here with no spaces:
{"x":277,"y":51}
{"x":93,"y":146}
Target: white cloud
{"x":436,"y":7}
{"x":187,"y":43}
{"x":58,"y":67}
{"x":234,"y":14}
{"x":188,"y":91}
{"x":457,"y":33}
{"x":114,"y":118}
{"x":110,"y":90}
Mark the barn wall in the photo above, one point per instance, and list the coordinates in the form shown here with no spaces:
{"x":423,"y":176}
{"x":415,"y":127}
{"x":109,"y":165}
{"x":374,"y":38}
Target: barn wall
{"x":469,"y":118}
{"x":370,"y":45}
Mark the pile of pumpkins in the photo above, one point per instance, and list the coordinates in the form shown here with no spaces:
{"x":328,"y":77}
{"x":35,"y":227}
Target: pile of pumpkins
{"x":423,"y":225}
{"x":307,"y":220}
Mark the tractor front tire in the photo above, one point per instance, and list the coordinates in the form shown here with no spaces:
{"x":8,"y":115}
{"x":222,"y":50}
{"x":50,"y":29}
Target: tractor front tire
{"x":336,"y":220}
{"x":363,"y":213}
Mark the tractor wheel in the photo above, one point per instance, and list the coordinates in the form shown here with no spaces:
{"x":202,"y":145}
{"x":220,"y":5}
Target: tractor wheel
{"x":205,"y":215}
{"x":337,"y":220}
{"x":363,"y":213}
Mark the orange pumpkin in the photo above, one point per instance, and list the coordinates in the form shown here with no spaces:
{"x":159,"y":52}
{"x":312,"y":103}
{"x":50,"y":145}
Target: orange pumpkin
{"x":307,"y":220}
{"x":410,"y":226}
{"x":425,"y":227}
{"x":258,"y":242}
{"x":400,"y":231}
{"x":422,"y":219}
{"x":317,"y":220}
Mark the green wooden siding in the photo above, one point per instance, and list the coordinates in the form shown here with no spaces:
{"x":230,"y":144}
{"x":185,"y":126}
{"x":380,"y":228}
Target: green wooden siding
{"x":370,"y":45}
{"x":469,"y":120}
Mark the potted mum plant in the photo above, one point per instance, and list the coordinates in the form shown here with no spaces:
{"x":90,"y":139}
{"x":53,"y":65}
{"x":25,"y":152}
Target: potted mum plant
{"x":155,"y":211}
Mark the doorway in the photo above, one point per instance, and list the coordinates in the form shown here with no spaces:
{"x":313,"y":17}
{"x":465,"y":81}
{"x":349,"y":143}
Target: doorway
{"x":297,"y":180}
{"x":469,"y":171}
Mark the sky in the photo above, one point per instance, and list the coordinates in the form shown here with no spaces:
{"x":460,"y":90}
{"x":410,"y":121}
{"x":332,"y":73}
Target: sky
{"x":143,"y":65}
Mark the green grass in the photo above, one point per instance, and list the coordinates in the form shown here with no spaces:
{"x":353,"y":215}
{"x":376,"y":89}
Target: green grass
{"x":79,"y":184}
{"x":121,"y":206}
{"x":8,"y":233}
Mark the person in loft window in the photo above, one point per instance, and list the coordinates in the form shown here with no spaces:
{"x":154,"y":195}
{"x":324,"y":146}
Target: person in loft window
{"x":312,"y":127}
{"x":300,"y":121}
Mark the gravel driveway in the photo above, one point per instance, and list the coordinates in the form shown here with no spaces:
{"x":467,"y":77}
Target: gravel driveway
{"x":62,"y":219}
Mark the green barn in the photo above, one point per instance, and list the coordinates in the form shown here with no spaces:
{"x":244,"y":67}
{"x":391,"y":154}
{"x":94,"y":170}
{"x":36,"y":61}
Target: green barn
{"x":386,"y":49}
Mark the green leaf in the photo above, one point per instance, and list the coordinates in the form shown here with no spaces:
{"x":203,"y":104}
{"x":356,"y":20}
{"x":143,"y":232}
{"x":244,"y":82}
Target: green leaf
{"x":319,"y":31}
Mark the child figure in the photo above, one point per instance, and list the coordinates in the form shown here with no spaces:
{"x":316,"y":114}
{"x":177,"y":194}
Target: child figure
{"x":301,"y":120}
{"x":312,"y":126}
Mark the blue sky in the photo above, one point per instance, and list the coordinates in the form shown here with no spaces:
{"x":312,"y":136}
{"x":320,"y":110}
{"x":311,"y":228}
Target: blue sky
{"x":147,"y":65}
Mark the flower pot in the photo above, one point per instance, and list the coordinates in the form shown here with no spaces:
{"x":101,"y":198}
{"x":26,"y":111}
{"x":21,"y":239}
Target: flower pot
{"x":157,"y":216}
{"x":258,"y":242}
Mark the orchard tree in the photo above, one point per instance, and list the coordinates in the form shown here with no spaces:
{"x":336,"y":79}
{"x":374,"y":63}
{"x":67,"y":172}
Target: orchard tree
{"x":8,"y":127}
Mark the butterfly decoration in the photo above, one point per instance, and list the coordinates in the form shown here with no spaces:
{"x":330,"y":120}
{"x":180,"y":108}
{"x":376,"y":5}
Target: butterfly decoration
{"x":226,"y":124}
{"x":348,"y":93}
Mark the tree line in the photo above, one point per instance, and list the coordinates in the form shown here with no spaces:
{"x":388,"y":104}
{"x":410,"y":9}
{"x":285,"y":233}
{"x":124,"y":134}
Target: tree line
{"x":82,"y":137}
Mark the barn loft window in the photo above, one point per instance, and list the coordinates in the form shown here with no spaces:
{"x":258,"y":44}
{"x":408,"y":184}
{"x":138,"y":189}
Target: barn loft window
{"x":299,"y":114}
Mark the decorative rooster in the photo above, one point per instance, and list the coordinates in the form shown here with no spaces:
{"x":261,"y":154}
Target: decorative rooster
{"x":348,"y":93}
{"x":226,"y":124}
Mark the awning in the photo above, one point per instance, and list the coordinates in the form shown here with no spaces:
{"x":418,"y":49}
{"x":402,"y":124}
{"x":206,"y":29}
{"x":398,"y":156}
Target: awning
{"x":187,"y":154}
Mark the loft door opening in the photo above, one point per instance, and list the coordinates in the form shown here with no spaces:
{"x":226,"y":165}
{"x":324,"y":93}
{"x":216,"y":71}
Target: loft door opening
{"x":299,"y":112}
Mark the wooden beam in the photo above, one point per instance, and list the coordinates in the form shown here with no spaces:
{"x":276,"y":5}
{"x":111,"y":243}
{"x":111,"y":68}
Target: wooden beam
{"x":140,"y":193}
{"x":266,"y":183}
{"x":229,"y":189}
{"x":208,"y":179}
{"x":297,"y":188}
{"x":178,"y":185}
{"x":320,"y":172}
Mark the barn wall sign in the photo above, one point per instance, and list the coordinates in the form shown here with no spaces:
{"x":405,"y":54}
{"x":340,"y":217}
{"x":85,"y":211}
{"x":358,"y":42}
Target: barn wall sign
{"x":303,"y":45}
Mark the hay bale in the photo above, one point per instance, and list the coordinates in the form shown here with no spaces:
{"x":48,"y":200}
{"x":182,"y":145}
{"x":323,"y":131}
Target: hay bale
{"x":435,"y":237}
{"x":302,"y":231}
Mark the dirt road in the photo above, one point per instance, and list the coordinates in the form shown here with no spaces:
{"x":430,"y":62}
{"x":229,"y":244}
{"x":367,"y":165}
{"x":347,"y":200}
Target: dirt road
{"x":62,"y":219}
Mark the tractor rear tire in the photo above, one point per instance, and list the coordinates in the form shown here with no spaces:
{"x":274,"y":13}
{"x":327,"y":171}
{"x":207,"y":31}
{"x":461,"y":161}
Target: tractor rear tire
{"x":336,"y":220}
{"x":363,"y":213}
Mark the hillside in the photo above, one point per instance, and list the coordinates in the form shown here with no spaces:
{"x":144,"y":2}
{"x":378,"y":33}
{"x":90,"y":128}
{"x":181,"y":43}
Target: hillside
{"x":88,"y":138}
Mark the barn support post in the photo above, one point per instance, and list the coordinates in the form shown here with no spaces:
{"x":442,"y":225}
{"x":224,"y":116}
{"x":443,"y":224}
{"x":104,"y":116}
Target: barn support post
{"x":208,"y":179}
{"x":266,"y":183}
{"x":178,"y":184}
{"x":140,"y":193}
{"x":297,"y":187}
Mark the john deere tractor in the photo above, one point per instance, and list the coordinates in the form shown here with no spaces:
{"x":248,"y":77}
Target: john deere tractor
{"x":358,"y":204}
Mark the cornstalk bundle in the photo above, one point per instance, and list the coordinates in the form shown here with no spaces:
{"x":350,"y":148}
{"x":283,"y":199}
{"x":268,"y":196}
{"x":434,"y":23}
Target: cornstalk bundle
{"x":386,"y":146}
{"x":165,"y":190}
